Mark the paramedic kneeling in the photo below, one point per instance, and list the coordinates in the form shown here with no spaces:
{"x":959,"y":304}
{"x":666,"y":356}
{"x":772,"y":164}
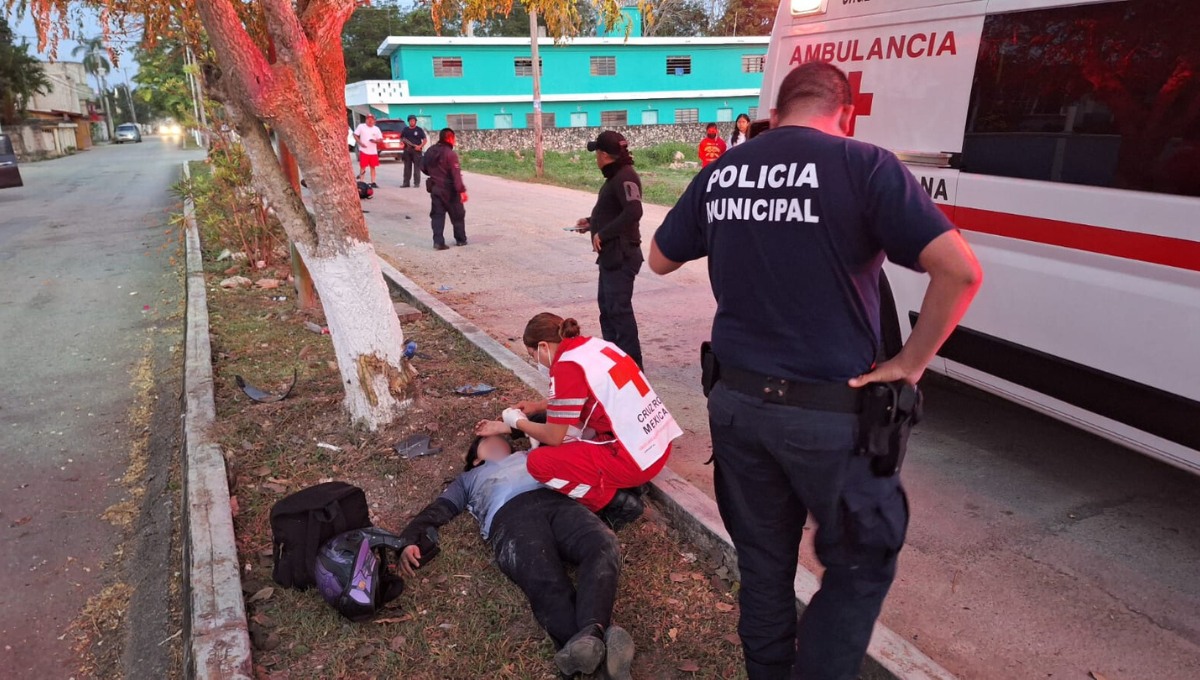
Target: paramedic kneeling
{"x":606,"y":431}
{"x":795,"y":224}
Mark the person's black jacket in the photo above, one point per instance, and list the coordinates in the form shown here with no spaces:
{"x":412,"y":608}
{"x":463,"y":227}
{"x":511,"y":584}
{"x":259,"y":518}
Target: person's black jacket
{"x":617,"y":215}
{"x":440,"y":163}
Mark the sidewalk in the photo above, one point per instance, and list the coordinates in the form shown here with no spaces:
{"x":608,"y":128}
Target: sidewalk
{"x":1033,"y":549}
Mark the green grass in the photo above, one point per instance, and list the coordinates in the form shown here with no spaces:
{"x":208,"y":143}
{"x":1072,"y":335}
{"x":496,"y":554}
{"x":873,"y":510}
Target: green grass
{"x":661,"y":184}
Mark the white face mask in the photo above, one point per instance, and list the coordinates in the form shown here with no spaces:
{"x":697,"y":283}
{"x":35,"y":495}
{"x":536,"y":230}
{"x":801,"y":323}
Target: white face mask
{"x":542,"y":368}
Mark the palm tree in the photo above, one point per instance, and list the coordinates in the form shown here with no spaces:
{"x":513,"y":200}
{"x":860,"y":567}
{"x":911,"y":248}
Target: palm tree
{"x":21,"y":77}
{"x":95,"y":62}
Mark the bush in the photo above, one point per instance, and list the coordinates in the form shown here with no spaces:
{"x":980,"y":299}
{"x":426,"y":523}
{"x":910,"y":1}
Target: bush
{"x":664,"y":154}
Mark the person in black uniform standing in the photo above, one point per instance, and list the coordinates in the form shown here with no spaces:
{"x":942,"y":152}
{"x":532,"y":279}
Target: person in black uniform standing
{"x":413,"y":137}
{"x":615,"y":227}
{"x":795,"y":224}
{"x":446,"y":191}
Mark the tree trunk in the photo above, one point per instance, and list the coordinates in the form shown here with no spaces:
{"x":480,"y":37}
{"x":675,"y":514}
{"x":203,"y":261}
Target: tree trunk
{"x":301,"y":95}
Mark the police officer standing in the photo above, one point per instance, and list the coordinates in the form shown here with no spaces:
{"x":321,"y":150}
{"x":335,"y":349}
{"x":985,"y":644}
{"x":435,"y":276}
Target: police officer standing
{"x":413,"y":137}
{"x":796,"y":223}
{"x":615,"y":227}
{"x":446,"y":191}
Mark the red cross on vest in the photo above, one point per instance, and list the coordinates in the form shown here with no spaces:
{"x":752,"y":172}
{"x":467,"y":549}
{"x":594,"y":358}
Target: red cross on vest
{"x":861,"y":100}
{"x":625,"y":371}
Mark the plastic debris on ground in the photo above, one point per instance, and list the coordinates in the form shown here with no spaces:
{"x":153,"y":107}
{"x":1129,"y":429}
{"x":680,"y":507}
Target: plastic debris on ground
{"x":410,"y":350}
{"x":475,"y":390}
{"x":264,"y":397}
{"x":331,"y":447}
{"x":416,"y":446}
{"x":319,"y":330}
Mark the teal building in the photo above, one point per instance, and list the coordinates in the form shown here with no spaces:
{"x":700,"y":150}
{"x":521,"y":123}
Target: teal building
{"x":487,"y":83}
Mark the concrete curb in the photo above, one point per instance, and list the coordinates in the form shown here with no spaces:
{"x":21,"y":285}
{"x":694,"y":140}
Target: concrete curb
{"x":217,"y":643}
{"x":694,"y":514}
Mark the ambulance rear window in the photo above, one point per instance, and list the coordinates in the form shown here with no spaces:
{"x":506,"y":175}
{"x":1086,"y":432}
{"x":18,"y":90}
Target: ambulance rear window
{"x":1102,"y":95}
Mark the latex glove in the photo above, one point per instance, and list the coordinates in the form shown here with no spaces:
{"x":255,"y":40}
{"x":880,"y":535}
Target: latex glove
{"x":512,"y":416}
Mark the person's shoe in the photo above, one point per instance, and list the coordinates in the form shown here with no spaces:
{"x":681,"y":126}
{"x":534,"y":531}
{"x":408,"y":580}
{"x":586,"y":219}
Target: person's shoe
{"x":625,"y":507}
{"x":618,"y":655}
{"x":460,"y":243}
{"x":374,"y":185}
{"x":583,"y":653}
{"x":441,"y":247}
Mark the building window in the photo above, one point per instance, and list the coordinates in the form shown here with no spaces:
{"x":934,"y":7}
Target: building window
{"x":425,"y":123}
{"x":614,"y":118}
{"x":579,"y":119}
{"x":524,"y":66}
{"x":502,"y":121}
{"x":753,"y":63}
{"x":447,"y":67}
{"x":462,"y":121}
{"x":604,"y":66}
{"x":753,"y":113}
{"x":687,"y":115}
{"x":1036,"y":113}
{"x":547,"y":120}
{"x":649,"y":117}
{"x":724,"y":115}
{"x":679,"y":66}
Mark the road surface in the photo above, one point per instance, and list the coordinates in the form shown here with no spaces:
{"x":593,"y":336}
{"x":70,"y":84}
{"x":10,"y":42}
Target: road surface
{"x":1034,"y":550}
{"x":80,"y":254}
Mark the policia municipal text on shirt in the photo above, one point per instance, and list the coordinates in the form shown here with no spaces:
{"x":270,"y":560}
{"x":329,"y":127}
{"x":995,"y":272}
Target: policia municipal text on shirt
{"x":615,"y":227}
{"x":795,"y":224}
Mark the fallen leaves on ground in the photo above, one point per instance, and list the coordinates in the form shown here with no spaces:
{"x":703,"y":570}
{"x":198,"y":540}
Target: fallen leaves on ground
{"x":264,"y":594}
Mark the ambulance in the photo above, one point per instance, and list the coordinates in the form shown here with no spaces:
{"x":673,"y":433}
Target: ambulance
{"x":1063,"y":138}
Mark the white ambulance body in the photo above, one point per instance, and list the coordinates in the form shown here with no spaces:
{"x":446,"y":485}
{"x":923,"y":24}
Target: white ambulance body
{"x":1063,"y":138}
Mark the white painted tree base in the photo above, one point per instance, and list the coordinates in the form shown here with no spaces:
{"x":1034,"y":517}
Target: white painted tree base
{"x":362,"y":323}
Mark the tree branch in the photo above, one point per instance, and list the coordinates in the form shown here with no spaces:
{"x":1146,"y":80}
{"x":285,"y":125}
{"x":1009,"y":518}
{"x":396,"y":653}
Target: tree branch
{"x":237,"y":53}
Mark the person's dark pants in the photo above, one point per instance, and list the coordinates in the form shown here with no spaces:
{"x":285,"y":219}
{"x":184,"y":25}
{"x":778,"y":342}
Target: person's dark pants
{"x":438,"y":209}
{"x":773,"y":465}
{"x":412,"y":166}
{"x":618,"y":325}
{"x":535,"y":536}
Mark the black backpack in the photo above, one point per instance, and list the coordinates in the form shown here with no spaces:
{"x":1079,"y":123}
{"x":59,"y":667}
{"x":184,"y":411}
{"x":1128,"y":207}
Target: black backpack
{"x":365,"y":191}
{"x":305,"y":521}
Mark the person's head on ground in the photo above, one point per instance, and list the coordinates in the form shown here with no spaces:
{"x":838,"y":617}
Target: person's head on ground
{"x":543,"y":334}
{"x":711,"y":131}
{"x":370,"y":120}
{"x":610,"y":147}
{"x":815,"y":95}
{"x":487,"y":450}
{"x":412,"y":121}
{"x":446,"y":136}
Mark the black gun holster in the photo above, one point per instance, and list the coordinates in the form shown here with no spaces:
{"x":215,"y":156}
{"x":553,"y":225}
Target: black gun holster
{"x":710,"y":369}
{"x":889,"y":412}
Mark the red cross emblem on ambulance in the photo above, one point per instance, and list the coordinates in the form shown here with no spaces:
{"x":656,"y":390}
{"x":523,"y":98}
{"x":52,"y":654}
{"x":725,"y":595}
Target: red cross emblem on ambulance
{"x":861,"y":100}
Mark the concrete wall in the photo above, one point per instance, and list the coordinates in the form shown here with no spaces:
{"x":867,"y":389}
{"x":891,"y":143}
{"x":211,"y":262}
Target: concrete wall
{"x":41,"y":139}
{"x":496,"y":115}
{"x":574,"y":140}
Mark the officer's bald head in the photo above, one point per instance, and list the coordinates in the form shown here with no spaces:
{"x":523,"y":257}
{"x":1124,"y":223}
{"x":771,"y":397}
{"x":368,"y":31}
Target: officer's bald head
{"x":813,"y":90}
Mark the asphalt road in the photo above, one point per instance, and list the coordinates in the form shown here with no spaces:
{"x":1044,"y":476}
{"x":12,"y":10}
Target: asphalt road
{"x":1034,"y":550}
{"x":88,"y":299}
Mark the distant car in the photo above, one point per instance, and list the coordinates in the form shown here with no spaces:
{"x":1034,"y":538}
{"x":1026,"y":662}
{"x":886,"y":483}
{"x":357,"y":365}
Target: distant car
{"x":10,"y":176}
{"x":127,"y":132}
{"x":170,"y":129}
{"x":391,"y":146}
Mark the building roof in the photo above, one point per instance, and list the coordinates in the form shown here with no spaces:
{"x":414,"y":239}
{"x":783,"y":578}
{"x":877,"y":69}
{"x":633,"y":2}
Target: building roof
{"x":393,"y":42}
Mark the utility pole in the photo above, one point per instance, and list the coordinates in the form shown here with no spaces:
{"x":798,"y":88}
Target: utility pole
{"x":539,"y":164}
{"x":108,"y":115}
{"x":129,"y":95}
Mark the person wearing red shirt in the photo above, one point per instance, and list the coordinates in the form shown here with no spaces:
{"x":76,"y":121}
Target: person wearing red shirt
{"x":712,"y":146}
{"x":606,"y":431}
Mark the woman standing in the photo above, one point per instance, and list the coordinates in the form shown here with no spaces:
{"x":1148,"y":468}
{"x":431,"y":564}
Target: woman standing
{"x":741,"y":131}
{"x":606,"y":431}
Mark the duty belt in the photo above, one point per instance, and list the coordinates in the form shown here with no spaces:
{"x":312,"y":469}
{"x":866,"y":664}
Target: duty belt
{"x":835,"y":397}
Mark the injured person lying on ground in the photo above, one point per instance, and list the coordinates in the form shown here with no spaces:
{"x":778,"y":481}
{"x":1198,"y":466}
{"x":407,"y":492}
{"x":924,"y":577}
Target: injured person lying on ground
{"x":535,"y":533}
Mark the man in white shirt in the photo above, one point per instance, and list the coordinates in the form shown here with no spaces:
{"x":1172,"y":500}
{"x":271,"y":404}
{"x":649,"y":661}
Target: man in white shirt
{"x":368,"y":153}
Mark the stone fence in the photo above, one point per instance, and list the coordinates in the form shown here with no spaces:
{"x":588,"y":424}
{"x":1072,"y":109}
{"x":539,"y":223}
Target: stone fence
{"x":575,"y":139}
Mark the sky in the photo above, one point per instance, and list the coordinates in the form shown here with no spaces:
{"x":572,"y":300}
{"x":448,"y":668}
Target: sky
{"x":24,"y":28}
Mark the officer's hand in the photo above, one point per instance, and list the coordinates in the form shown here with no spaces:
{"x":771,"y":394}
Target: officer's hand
{"x":410,"y":561}
{"x":464,"y":197}
{"x":889,"y":371}
{"x":583,"y":224}
{"x":596,"y":243}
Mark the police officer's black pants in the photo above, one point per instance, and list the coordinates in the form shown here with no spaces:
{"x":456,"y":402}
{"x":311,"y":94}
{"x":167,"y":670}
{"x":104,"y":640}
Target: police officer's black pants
{"x":412,"y":166}
{"x":438,"y":209}
{"x":618,"y":325}
{"x":534,"y":536}
{"x":774,"y":465}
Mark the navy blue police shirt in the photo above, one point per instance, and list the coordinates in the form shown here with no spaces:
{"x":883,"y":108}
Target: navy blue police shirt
{"x":795,"y":224}
{"x":413,"y":135}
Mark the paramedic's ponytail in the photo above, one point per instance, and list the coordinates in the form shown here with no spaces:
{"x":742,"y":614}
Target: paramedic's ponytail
{"x":549,"y":328}
{"x":568,"y":329}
